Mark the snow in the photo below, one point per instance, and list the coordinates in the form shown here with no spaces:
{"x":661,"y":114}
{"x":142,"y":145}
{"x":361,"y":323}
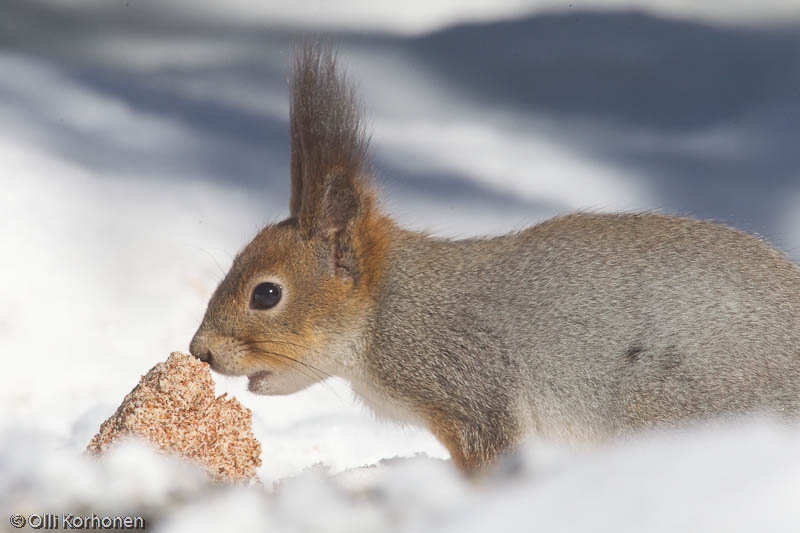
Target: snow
{"x":140,"y":153}
{"x":415,"y":16}
{"x":742,"y":476}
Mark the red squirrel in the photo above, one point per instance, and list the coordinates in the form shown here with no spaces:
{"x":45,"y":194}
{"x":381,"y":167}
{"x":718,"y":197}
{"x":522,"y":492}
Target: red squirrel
{"x":583,"y":327}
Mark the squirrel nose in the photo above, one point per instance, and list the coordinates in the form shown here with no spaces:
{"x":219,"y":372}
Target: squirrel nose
{"x":200,"y":349}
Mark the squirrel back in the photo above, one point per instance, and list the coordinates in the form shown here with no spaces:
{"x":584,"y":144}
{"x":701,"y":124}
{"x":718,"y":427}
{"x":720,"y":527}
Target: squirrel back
{"x":586,"y":327}
{"x":583,"y":327}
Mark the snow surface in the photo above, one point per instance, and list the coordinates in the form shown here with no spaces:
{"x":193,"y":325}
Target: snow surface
{"x":142,"y":148}
{"x":416,"y":16}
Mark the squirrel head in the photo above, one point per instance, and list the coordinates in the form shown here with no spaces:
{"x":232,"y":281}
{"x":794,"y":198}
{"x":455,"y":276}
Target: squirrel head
{"x":292,"y":308}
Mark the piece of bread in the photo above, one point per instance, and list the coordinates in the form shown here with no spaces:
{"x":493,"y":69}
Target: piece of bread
{"x":174,"y":407}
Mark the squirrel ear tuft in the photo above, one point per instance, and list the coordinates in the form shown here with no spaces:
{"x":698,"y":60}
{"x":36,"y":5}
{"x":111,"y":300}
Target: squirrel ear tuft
{"x":328,"y":144}
{"x":331,"y":194}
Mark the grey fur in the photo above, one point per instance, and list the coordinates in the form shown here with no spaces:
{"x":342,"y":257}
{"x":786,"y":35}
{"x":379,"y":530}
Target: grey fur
{"x":583,"y":327}
{"x":589,"y":326}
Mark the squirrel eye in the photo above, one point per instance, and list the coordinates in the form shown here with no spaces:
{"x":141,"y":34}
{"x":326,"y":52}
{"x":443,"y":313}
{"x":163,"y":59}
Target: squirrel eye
{"x":265,"y":296}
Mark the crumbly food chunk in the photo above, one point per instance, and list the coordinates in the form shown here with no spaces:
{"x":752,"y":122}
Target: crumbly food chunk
{"x":174,"y":407}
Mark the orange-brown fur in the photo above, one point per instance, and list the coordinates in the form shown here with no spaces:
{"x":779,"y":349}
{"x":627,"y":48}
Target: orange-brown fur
{"x":581,"y":328}
{"x":330,"y":255}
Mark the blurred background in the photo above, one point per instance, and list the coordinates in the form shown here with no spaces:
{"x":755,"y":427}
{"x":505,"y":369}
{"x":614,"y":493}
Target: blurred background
{"x":143,"y":142}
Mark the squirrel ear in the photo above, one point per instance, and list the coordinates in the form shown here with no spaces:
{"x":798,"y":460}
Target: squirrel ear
{"x":330,"y":192}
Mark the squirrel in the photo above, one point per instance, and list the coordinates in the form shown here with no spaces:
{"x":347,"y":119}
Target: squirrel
{"x":581,"y":328}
